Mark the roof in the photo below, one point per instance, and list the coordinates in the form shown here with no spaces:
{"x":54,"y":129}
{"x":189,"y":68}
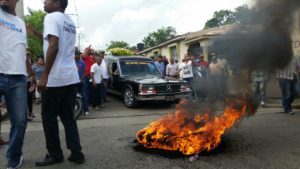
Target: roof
{"x":217,"y":31}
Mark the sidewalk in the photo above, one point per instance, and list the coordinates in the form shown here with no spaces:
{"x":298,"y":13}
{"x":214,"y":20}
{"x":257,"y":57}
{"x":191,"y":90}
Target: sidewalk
{"x":276,"y":103}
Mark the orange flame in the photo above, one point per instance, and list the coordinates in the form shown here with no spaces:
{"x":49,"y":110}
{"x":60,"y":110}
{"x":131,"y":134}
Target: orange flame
{"x":193,"y":133}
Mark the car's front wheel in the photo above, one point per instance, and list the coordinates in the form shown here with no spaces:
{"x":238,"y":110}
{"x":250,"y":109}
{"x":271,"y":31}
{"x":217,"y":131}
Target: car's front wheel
{"x":129,"y":98}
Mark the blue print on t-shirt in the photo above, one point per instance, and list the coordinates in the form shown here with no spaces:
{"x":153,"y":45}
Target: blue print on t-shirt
{"x":9,"y":26}
{"x":69,"y":28}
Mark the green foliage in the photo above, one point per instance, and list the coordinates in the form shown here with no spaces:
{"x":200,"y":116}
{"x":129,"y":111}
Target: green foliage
{"x":161,"y":35}
{"x":225,"y":17}
{"x":35,"y":19}
{"x":121,"y":52}
{"x":117,"y":44}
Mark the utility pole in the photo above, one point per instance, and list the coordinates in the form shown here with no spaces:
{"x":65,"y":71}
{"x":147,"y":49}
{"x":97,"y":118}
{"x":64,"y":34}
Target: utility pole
{"x":79,"y":34}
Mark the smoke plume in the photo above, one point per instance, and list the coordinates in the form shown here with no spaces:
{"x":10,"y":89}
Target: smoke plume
{"x":264,"y":41}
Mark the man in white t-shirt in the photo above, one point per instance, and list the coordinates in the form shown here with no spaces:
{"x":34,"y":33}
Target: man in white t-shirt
{"x":58,"y":84}
{"x":14,"y":69}
{"x":172,"y":69}
{"x":105,"y":77}
{"x":186,"y":69}
{"x":96,"y":77}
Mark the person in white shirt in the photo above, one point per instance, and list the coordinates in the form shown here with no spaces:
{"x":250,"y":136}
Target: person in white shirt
{"x":58,"y":83}
{"x":96,"y":77}
{"x":14,"y":71}
{"x":186,"y":69}
{"x":172,"y":69}
{"x":105,"y":76}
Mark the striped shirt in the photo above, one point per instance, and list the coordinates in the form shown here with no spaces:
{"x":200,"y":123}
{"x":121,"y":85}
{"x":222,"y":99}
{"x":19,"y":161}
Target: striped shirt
{"x":289,"y":71}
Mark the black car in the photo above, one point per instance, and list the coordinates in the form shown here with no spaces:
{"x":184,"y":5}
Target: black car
{"x":137,"y":79}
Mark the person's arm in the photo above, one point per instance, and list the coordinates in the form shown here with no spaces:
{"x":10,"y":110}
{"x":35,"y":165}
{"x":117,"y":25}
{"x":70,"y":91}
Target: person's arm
{"x":50,"y":58}
{"x":92,"y":74}
{"x":30,"y":29}
{"x":93,"y":79}
{"x":31,"y":75}
{"x":83,"y":75}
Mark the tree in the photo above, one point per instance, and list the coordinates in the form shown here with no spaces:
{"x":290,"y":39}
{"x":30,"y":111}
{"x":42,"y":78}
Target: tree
{"x":157,"y":37}
{"x":117,"y":44}
{"x":224,"y":17}
{"x":35,"y":19}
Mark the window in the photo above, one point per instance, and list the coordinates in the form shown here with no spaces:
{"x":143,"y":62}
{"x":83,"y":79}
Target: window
{"x":174,"y":53}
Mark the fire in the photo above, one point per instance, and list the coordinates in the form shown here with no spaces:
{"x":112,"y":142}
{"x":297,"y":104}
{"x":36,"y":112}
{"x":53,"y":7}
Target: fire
{"x":192,"y":133}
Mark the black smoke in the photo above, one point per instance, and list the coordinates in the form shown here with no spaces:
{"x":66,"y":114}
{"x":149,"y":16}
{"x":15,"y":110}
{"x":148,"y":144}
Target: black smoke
{"x":264,"y":41}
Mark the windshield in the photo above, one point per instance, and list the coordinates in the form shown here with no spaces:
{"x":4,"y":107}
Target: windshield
{"x":138,"y":68}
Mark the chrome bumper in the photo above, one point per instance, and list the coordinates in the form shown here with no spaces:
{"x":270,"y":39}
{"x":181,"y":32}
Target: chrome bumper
{"x":162,"y":97}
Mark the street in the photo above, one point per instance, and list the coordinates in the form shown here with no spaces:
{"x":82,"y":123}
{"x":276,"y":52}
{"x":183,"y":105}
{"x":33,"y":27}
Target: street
{"x":268,"y":140}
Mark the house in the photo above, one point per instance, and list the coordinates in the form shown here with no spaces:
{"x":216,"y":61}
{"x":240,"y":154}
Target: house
{"x":194,"y":43}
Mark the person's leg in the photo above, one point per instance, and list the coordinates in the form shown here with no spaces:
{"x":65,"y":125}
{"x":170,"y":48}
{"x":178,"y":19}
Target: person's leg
{"x":292,"y":93}
{"x":284,"y":88}
{"x":100,"y":96}
{"x":104,"y":90}
{"x":29,"y":101}
{"x":51,"y":103}
{"x":68,"y":96}
{"x":15,"y":91}
{"x":37,"y":93}
{"x":84,"y":97}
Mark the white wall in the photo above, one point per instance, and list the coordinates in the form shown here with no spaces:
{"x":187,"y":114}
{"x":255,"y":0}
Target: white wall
{"x":20,"y":9}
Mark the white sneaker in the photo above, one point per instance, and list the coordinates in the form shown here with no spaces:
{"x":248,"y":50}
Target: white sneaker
{"x":86,"y":113}
{"x":291,"y":113}
{"x":17,"y":165}
{"x":262,"y":103}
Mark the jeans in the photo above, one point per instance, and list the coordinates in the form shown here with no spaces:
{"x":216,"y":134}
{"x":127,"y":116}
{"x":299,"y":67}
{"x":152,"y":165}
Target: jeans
{"x":29,"y":99}
{"x":14,"y":88}
{"x":104,"y":89}
{"x":60,"y":101}
{"x":288,"y":93}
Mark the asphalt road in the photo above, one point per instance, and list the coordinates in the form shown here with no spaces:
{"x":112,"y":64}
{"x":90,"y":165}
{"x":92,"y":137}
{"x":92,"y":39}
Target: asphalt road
{"x":268,"y":140}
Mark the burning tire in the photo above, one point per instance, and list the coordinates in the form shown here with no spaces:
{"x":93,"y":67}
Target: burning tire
{"x":129,"y":98}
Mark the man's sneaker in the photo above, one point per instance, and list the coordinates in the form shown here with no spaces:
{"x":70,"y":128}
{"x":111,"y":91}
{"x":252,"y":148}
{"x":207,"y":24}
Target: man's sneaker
{"x":15,"y":165}
{"x":291,"y":113}
{"x":86,"y":113}
{"x":262,"y":103}
{"x":96,"y":108}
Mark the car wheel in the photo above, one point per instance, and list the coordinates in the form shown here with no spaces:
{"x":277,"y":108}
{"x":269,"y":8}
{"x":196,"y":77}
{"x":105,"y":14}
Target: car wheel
{"x":129,"y":98}
{"x":78,"y":107}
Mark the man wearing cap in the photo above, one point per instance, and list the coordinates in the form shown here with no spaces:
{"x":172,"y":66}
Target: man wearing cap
{"x":58,"y":84}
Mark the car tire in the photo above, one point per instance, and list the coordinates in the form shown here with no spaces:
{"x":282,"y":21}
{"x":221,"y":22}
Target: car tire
{"x":129,"y":98}
{"x":78,"y":108}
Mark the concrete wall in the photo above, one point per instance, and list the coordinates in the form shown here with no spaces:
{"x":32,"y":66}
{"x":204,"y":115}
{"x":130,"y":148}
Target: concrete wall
{"x":20,"y":9}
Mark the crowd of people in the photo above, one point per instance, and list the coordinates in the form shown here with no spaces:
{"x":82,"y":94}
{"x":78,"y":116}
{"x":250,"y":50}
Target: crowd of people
{"x":196,"y":71}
